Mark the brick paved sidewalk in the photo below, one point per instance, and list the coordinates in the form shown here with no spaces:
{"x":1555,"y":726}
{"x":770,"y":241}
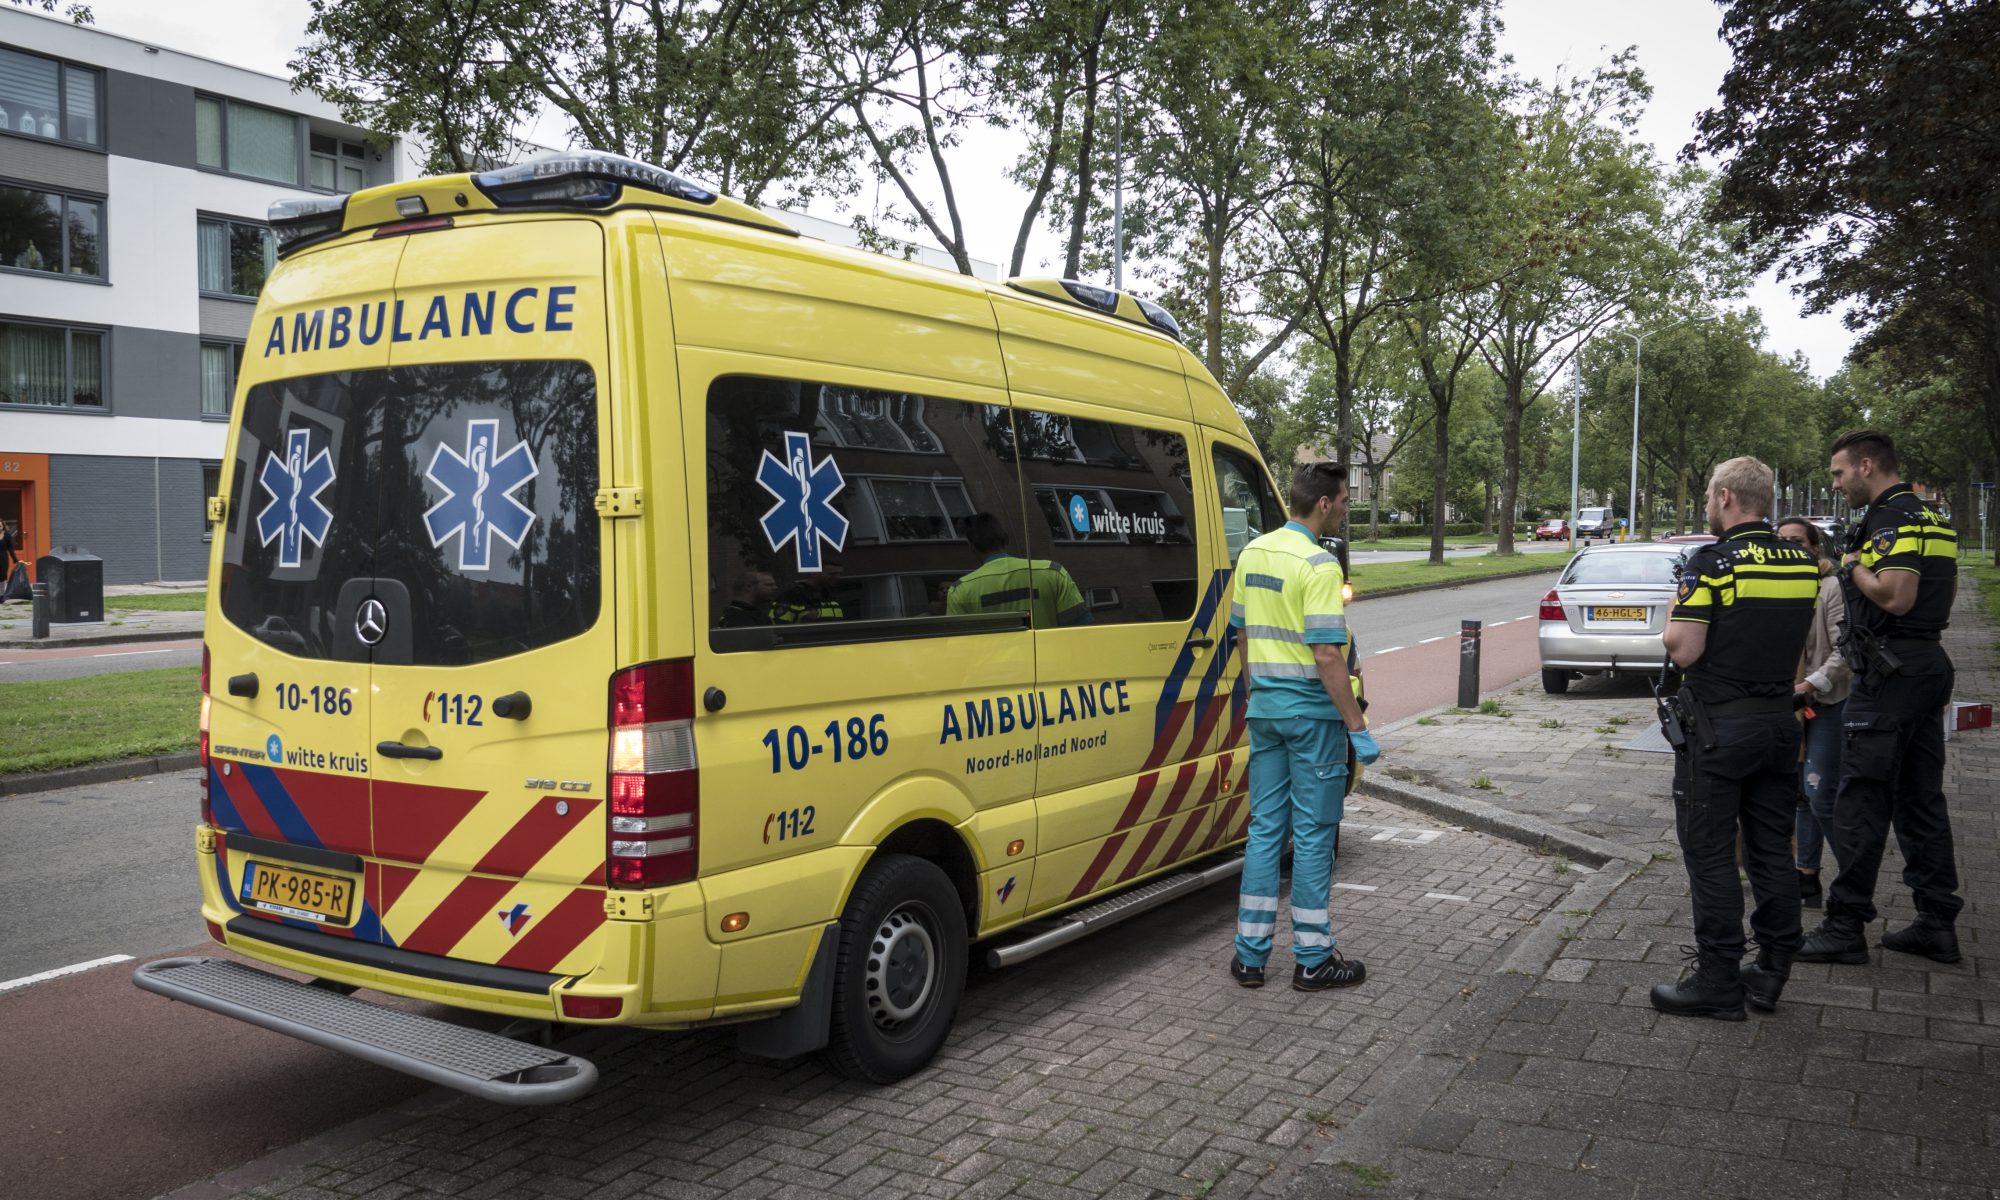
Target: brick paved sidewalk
{"x":1125,"y":1065}
{"x":1872,"y":1081}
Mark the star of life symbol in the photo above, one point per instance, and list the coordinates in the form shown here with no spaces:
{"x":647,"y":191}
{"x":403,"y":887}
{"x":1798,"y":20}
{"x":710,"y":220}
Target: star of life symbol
{"x":479,"y":501}
{"x":804,"y":514}
{"x":295,"y":512}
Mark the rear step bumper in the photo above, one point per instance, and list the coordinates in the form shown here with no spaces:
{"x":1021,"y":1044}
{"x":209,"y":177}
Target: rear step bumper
{"x":483,"y":1064}
{"x":1064,"y":929}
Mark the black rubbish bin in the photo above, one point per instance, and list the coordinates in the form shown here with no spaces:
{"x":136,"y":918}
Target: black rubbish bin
{"x":76,"y":585}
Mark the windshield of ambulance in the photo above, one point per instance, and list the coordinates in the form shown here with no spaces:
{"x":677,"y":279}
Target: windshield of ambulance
{"x":458,"y":497}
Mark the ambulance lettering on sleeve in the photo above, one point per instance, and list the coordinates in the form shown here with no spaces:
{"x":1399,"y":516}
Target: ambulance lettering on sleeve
{"x":531,"y":309}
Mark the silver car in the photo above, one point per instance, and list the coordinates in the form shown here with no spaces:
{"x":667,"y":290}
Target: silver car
{"x":1608,"y":612}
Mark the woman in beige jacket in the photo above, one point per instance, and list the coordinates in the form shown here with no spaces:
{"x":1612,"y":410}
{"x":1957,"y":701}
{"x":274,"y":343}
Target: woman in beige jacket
{"x":1824,"y":680}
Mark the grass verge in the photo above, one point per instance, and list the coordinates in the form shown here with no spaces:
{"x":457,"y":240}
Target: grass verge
{"x":46,"y":725}
{"x":1381,"y":577}
{"x":162,"y":602}
{"x":1988,"y":575}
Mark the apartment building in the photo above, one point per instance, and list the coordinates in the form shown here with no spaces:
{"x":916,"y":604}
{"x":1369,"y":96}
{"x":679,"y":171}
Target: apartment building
{"x":134,"y":181}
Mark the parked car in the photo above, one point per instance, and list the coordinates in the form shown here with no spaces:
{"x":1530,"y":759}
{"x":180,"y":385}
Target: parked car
{"x":1555,"y":529}
{"x":1608,"y":611}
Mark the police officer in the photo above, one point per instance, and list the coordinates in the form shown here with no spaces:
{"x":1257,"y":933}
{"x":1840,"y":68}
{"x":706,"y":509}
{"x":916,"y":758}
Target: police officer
{"x":1005,"y":582}
{"x":1738,"y":627}
{"x":1899,"y":576}
{"x":1303,"y":715}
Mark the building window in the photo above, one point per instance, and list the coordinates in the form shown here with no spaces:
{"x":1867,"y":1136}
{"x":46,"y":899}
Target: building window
{"x":220,"y":364}
{"x":40,"y":97}
{"x":51,"y":366}
{"x":243,"y":139}
{"x":235,"y":256}
{"x":52,"y":232}
{"x":337,"y":166}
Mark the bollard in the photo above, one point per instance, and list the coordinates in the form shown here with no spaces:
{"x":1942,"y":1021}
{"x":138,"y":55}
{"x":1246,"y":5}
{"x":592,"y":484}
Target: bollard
{"x":38,"y":625}
{"x":1468,"y":664}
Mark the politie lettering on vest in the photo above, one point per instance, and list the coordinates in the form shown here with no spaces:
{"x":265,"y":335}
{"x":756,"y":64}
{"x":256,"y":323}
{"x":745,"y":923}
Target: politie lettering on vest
{"x":370,"y":322}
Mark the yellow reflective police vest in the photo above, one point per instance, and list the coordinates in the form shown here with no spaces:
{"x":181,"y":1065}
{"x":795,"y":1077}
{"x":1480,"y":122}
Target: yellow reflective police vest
{"x":1005,"y":583}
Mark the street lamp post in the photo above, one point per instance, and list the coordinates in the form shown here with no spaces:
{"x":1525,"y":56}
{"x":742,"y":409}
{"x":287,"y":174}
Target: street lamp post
{"x":1638,"y":360}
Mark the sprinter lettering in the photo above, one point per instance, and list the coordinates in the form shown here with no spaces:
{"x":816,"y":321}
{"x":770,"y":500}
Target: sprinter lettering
{"x":532,"y":309}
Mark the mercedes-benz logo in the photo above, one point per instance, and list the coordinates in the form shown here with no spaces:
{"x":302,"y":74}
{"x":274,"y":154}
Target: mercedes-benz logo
{"x":371,"y":622}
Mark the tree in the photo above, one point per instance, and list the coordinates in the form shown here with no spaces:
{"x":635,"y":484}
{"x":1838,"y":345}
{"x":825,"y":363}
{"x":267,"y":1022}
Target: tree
{"x":1864,"y":137}
{"x":722,"y":89}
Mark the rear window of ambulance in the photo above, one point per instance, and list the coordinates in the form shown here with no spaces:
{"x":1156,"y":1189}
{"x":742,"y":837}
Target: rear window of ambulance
{"x":461,"y":493}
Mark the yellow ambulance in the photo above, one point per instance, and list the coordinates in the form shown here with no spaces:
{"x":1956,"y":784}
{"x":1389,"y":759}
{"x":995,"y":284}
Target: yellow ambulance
{"x":627,"y":611}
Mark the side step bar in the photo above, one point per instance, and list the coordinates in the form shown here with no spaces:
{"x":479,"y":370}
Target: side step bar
{"x":1066,"y":928}
{"x":483,"y":1064}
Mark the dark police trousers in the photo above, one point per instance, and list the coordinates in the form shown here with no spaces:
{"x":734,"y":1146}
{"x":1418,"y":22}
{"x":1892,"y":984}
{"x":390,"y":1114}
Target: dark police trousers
{"x":1892,"y":774}
{"x":1748,"y":778}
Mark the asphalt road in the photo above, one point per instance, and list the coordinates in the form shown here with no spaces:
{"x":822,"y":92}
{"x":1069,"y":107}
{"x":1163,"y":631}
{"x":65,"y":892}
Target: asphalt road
{"x":69,"y":662}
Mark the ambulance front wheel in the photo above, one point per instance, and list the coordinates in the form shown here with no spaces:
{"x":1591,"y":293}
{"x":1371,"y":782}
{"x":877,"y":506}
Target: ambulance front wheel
{"x":900,"y":970}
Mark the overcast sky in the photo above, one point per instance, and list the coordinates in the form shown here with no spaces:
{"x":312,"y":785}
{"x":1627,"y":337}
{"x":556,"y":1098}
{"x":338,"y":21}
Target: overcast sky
{"x":1676,"y":40}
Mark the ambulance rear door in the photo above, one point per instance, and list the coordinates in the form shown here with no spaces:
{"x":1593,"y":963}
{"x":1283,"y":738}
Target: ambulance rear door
{"x":489,"y":617}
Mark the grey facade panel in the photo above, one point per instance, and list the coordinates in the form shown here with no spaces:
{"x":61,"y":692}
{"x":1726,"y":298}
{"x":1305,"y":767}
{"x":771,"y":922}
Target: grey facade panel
{"x":149,"y":118}
{"x":57,"y":166}
{"x":142,"y":516}
{"x":155,"y":373}
{"x":228,"y":319}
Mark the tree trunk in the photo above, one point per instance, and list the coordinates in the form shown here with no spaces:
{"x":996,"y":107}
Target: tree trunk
{"x":1652,"y":473}
{"x":1486,"y":512}
{"x":1374,"y":503}
{"x":1510,"y":464}
{"x":1085,"y":161}
{"x":1439,"y":466}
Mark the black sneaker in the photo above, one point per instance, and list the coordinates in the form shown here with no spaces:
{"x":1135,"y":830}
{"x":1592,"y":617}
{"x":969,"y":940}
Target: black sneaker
{"x":1710,"y":987}
{"x":1830,"y":943}
{"x":1335,"y":972}
{"x":1939,"y":943}
{"x":1250,"y":977}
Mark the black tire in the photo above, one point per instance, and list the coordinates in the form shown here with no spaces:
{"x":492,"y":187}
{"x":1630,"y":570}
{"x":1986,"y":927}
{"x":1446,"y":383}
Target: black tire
{"x":1555,"y":683}
{"x":902,"y":947}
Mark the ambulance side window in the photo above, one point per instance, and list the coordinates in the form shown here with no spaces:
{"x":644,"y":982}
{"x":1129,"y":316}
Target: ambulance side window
{"x":1111,"y":520}
{"x":1249,"y":508}
{"x":846,"y":514}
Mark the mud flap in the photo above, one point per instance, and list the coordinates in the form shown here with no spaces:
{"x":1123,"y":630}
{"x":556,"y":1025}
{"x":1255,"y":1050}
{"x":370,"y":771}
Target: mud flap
{"x":803,"y":1028}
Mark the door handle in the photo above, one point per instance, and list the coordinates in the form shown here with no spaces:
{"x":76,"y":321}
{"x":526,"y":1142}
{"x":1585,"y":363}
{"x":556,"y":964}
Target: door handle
{"x":244,"y":685}
{"x":1203,"y":642}
{"x":514,"y":706}
{"x":399,"y":750}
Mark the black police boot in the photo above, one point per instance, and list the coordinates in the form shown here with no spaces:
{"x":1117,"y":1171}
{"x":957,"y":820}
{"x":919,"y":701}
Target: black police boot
{"x":1712,"y":986}
{"x":1832,"y":943}
{"x":1939,"y":943}
{"x":1250,"y":977}
{"x":1764,"y":979}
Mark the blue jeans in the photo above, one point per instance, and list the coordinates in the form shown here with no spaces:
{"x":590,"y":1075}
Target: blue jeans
{"x":1819,"y":778}
{"x":1298,"y":783}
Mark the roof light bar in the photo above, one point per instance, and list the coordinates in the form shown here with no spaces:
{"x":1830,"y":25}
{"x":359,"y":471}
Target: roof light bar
{"x":1122,"y":305}
{"x":1159,"y":318}
{"x":297,"y":223}
{"x":582,"y":179}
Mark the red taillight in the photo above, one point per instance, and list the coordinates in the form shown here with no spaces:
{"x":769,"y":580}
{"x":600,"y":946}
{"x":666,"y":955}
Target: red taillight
{"x":215,"y":933}
{"x":592,"y":1008}
{"x":201,"y":745}
{"x":420,"y":225}
{"x":651,"y":838}
{"x":1552,"y":609}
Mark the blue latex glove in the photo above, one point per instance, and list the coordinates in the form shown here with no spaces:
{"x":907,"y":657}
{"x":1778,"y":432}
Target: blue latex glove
{"x":1365,"y":749}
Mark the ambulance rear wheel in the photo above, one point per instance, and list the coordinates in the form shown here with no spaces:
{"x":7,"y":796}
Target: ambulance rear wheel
{"x":900,"y":970}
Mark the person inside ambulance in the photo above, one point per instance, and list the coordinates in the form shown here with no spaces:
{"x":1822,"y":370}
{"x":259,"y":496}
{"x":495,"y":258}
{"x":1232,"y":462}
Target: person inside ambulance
{"x":811,"y":599}
{"x":1005,"y":582}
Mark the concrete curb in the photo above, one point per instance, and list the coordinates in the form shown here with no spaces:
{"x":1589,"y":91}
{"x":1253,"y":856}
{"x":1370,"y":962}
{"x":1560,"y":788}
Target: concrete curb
{"x":1501,"y":822}
{"x":124,"y":768}
{"x":1368,"y":1141}
{"x":102,"y":639}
